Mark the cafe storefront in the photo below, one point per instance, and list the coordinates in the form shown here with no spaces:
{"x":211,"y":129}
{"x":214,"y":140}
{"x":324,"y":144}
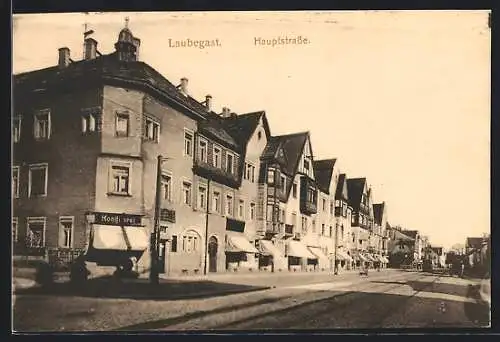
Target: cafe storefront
{"x":116,"y":239}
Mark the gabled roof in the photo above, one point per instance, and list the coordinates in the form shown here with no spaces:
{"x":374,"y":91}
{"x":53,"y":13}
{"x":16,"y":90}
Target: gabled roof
{"x":378,"y":212}
{"x":291,"y":144}
{"x":474,"y":242}
{"x":342,"y":193}
{"x":242,"y":126}
{"x":411,"y":233}
{"x":108,"y":68}
{"x":323,"y":171}
{"x":355,"y":187}
{"x":402,"y":236}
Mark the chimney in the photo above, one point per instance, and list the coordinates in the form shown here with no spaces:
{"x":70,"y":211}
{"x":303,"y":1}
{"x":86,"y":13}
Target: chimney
{"x":208,"y":102}
{"x":90,"y":45}
{"x":226,"y":112}
{"x":184,"y":86}
{"x":64,"y":59}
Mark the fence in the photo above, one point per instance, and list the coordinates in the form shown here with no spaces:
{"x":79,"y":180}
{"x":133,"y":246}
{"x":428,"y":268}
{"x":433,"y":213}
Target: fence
{"x":61,"y":258}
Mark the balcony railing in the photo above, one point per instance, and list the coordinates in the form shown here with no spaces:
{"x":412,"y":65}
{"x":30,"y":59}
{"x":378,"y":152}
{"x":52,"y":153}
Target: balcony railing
{"x":308,"y":196}
{"x":272,"y":227}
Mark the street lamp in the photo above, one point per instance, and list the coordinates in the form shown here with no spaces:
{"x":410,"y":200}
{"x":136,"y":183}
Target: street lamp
{"x":154,"y":271}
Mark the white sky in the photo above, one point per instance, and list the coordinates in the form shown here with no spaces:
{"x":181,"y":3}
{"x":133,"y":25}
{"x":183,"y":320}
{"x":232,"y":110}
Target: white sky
{"x":402,"y":98}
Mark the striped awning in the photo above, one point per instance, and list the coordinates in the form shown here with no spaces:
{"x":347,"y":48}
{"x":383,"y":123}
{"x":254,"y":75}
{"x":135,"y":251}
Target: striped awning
{"x":237,"y":242}
{"x":119,"y":238}
{"x":299,"y":250}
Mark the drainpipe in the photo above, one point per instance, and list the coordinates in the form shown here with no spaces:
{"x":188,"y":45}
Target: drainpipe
{"x":206,"y":228}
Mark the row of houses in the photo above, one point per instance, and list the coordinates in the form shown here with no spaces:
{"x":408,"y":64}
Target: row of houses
{"x":99,"y":142}
{"x":411,"y":248}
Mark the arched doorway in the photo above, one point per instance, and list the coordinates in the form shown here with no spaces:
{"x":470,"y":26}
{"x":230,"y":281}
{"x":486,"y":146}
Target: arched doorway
{"x":212,"y":254}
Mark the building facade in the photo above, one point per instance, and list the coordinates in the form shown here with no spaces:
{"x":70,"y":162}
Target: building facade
{"x":107,"y":151}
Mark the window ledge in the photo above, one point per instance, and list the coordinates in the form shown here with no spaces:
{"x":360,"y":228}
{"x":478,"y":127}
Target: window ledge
{"x":120,"y":194}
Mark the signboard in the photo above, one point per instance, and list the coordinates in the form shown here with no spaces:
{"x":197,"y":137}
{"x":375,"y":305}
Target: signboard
{"x":114,"y":219}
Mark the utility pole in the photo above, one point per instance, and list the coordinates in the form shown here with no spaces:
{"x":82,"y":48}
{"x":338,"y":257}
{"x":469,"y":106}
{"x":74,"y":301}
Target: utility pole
{"x":335,"y":249}
{"x":206,"y":227}
{"x":154,"y":271}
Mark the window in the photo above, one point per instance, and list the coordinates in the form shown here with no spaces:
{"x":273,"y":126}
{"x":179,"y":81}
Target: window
{"x":166,"y":187}
{"x":324,"y":204}
{"x":120,"y":179}
{"x":314,"y":226}
{"x":42,"y":124}
{"x":151,"y":129}
{"x":249,"y":172}
{"x":122,"y":124}
{"x":14,"y":229}
{"x":241,"y":209}
{"x":173,"y":245}
{"x":202,"y":196}
{"x":203,"y":150}
{"x":294,"y":190}
{"x":188,"y":143}
{"x":216,"y":202}
{"x":304,"y":224}
{"x":344,"y":209}
{"x":259,"y":135}
{"x":37,"y":180}
{"x":331,"y":231}
{"x":342,"y":232}
{"x":186,"y":192}
{"x":15,"y":181}
{"x":331,"y":208}
{"x":88,"y":123}
{"x":230,"y":163}
{"x":282,"y":215}
{"x":353,"y":238}
{"x":252,"y":211}
{"x":66,"y":231}
{"x":217,"y":157}
{"x":229,"y":205}
{"x":306,"y":166}
{"x":35,"y":235}
{"x":294,"y":219}
{"x":270,"y":176}
{"x":323,"y":229}
{"x":190,"y":242}
{"x":282,"y":183}
{"x":16,"y":129}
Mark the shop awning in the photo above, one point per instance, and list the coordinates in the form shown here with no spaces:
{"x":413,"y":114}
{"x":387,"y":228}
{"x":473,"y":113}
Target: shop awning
{"x":384,"y":260}
{"x":266,"y":247}
{"x":362,"y":257}
{"x":318,"y":253}
{"x":119,"y":238}
{"x":346,"y":256}
{"x":237,"y":242}
{"x":299,"y":250}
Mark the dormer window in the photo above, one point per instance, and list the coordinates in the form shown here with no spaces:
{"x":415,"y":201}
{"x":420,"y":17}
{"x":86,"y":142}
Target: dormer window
{"x":230,"y":163}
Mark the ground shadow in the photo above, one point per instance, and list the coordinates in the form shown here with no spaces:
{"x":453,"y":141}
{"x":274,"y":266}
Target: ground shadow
{"x":111,"y":287}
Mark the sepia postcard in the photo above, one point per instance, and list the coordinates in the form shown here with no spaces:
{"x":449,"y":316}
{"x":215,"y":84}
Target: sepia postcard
{"x":262,"y":171}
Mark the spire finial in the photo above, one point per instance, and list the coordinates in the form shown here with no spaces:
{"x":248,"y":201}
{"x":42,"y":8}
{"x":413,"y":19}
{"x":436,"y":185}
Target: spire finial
{"x":127,"y":19}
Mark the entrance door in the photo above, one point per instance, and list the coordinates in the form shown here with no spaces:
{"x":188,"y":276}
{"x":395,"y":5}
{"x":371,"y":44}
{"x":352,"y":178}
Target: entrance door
{"x":162,"y":256}
{"x":212,"y":254}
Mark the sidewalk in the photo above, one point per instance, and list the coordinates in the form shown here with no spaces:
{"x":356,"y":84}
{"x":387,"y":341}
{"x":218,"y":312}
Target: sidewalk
{"x":181,"y":287}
